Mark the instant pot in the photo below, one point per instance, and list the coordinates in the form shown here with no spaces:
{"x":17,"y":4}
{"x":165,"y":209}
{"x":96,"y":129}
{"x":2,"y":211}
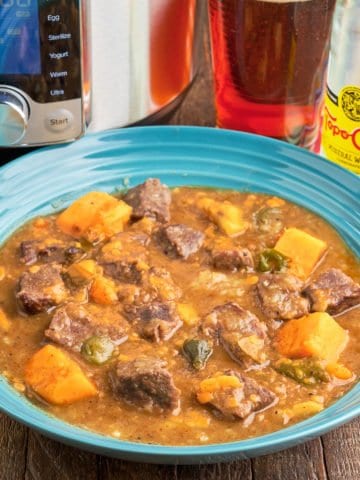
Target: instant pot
{"x":68,"y":67}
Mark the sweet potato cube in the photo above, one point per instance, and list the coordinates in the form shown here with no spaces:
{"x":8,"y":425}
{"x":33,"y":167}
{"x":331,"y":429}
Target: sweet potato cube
{"x":83,"y":270}
{"x":315,"y":335}
{"x":114,"y":219}
{"x":303,"y":249}
{"x":228,"y":217}
{"x":95,"y":216}
{"x":103,"y":291}
{"x":81,"y":214}
{"x":58,"y":379}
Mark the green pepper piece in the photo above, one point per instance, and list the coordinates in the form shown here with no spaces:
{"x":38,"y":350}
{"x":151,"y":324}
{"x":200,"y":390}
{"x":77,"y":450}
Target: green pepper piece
{"x":197,"y":352}
{"x":271,"y":260}
{"x":97,"y":350}
{"x":268,"y":220}
{"x":308,"y":371}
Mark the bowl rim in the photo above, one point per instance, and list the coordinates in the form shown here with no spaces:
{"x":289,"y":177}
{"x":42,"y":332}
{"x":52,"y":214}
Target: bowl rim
{"x":86,"y":438}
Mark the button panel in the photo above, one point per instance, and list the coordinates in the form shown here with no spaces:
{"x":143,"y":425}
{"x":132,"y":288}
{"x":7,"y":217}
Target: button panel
{"x":59,"y":33}
{"x":53,"y":90}
{"x":60,"y":39}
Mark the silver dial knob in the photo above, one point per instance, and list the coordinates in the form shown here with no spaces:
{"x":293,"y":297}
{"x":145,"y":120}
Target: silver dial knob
{"x":14,"y":114}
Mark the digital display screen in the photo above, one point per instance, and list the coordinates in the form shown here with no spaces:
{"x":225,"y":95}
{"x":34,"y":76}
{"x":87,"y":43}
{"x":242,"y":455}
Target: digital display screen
{"x":19,"y":37}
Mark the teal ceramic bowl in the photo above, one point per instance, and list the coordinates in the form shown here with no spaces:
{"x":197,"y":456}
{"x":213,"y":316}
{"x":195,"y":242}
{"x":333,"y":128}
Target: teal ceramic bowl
{"x":48,"y":180}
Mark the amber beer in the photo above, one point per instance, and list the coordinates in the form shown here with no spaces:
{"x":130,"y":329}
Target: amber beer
{"x":171,"y":45}
{"x":269,"y":59}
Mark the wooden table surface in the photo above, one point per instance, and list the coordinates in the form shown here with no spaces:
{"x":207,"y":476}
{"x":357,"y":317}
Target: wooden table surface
{"x":25,"y":454}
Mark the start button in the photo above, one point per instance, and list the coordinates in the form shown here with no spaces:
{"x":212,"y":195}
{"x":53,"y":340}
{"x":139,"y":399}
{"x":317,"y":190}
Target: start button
{"x":59,"y":120}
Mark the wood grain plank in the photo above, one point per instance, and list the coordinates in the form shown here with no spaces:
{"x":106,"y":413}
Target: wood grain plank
{"x":342,"y":452}
{"x":13,"y":446}
{"x":50,"y":460}
{"x":240,"y":470}
{"x":304,"y":462}
{"x":111,"y":469}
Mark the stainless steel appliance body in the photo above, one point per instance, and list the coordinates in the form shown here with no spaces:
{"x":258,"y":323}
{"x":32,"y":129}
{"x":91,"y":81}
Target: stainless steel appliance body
{"x":77,"y":66}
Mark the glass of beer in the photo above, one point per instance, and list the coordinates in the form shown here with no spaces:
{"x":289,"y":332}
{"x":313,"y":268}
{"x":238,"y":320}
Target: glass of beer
{"x":269,"y":62}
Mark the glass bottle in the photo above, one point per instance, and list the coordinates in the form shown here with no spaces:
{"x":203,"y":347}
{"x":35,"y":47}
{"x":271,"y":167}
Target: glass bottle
{"x":341,"y":122}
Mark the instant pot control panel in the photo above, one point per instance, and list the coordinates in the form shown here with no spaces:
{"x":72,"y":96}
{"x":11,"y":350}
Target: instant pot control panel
{"x":40,"y":72}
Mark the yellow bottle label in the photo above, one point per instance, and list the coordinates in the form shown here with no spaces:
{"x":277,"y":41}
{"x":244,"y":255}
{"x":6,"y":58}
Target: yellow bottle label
{"x":341,"y":128}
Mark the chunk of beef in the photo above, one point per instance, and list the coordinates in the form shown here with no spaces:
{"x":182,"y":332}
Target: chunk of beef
{"x":333,"y":292}
{"x":122,"y":258}
{"x":41,"y":288}
{"x":239,"y":331}
{"x":150,"y":199}
{"x":233,"y":259}
{"x":51,"y":253}
{"x":179,"y":240}
{"x":33,"y":251}
{"x":146,"y":384}
{"x":156,"y":285}
{"x":155,"y":321}
{"x":226,"y":255}
{"x":280,"y":296}
{"x":240,"y":401}
{"x":72,"y":324}
{"x":123,"y":271}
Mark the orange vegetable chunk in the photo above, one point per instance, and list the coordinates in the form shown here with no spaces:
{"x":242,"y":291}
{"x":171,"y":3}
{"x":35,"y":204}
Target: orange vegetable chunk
{"x":303,"y":249}
{"x":58,"y":379}
{"x":83,"y":270}
{"x":94,"y":216}
{"x":315,"y":335}
{"x":103,"y":291}
{"x":228,"y":217}
{"x":219,"y":382}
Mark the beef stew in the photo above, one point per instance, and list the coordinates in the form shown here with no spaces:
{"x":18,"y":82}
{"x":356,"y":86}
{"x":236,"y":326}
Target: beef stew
{"x":180,"y":317}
